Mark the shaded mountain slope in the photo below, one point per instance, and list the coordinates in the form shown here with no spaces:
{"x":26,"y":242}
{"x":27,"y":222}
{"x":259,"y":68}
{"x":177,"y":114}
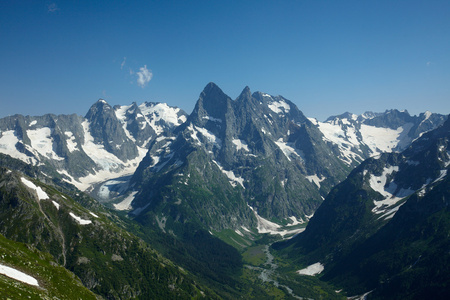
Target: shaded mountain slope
{"x":386,"y":226}
{"x":109,"y":260}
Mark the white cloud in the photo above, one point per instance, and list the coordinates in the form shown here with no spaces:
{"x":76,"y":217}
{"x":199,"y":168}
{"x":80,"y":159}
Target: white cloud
{"x":52,"y":7}
{"x":144,"y":76}
{"x":429,"y":63}
{"x":123,"y":63}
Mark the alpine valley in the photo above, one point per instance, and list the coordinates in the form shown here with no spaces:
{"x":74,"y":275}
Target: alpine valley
{"x":240,"y":199}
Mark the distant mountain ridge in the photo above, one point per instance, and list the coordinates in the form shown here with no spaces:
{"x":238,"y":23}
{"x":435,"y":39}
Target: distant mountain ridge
{"x":108,"y":142}
{"x":361,"y":136}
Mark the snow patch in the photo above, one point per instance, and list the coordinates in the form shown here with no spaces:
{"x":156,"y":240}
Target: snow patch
{"x":125,"y":204}
{"x":70,"y":142}
{"x":212,"y":119}
{"x":314,"y":178}
{"x":288,"y":150}
{"x":233,"y":178}
{"x":56,"y":204}
{"x":377,"y":183}
{"x":42,"y":141}
{"x":268,"y":119}
{"x":246,"y":229}
{"x":211,"y":138}
{"x":442,"y":174}
{"x":240,"y":144}
{"x":427,"y":115}
{"x":120,"y":185}
{"x":391,"y":193}
{"x":80,"y":220}
{"x":194,"y":132}
{"x":18,"y":275}
{"x":279,"y":107}
{"x":167,"y":158}
{"x":238,"y":232}
{"x":40,"y":192}
{"x":312,"y":270}
{"x":121,"y":114}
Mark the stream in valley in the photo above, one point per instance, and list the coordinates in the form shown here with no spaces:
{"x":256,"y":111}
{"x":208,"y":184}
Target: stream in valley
{"x":269,"y":274}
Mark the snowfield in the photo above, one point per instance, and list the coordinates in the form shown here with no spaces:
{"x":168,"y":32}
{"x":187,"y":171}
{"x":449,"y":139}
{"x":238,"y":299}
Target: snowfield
{"x":110,"y":165}
{"x":155,"y":113}
{"x":8,"y":141}
{"x":383,"y":139}
{"x":18,"y":275}
{"x":42,"y":141}
{"x":345,"y":139}
{"x":352,"y":136}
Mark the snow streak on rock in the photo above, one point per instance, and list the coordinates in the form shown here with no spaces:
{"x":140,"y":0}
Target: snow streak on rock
{"x":80,"y":220}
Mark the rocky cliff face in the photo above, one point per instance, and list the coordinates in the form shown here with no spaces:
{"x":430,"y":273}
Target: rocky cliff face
{"x":231,"y":156}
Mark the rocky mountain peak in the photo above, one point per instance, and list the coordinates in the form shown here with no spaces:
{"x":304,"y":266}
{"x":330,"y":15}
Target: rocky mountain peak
{"x":212,"y":104}
{"x":245,"y":94}
{"x":212,"y":93}
{"x":101,"y":107}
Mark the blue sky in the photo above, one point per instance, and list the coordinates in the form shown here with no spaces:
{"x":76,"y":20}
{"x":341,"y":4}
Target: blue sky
{"x":327,"y":57}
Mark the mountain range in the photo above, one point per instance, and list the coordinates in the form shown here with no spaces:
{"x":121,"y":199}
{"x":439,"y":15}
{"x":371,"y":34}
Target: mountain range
{"x":243,"y":172}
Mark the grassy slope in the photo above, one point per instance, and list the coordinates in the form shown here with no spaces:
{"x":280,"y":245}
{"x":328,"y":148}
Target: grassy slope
{"x":54,"y":280}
